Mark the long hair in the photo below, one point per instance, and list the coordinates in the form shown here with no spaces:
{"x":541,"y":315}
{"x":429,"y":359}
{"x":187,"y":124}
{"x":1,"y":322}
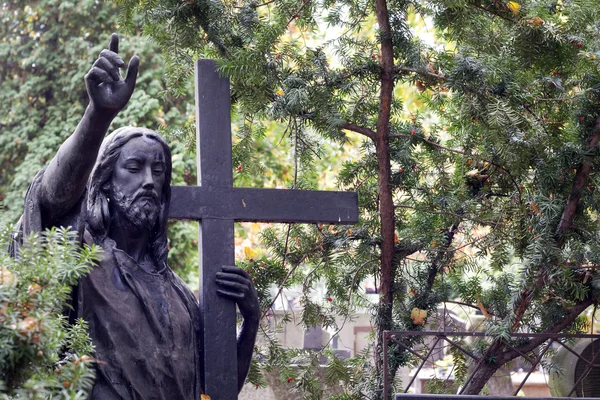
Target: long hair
{"x":98,"y":214}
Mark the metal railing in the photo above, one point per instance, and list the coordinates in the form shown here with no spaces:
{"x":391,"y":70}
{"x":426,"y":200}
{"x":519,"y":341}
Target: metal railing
{"x":391,"y":336}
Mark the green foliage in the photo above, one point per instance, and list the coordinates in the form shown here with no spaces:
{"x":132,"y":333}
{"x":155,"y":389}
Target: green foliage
{"x":440,"y":386}
{"x":41,"y":355}
{"x":490,"y":134}
{"x":480,"y":175}
{"x":46,"y":48}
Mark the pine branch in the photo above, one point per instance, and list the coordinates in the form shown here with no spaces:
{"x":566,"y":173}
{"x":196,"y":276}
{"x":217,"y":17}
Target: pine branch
{"x":460,"y":303}
{"x":304,"y":3}
{"x":566,"y":223}
{"x":266,"y":3}
{"x":359,"y":129}
{"x":480,"y":221}
{"x":495,"y":13}
{"x":461,"y":152}
{"x":564,"y":323}
{"x":437,"y":263}
{"x":289,"y":274}
{"x":579,"y":183}
{"x":421,"y":72}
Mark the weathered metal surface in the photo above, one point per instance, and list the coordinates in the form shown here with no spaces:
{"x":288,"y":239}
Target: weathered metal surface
{"x":263,"y":205}
{"x":216,"y":248}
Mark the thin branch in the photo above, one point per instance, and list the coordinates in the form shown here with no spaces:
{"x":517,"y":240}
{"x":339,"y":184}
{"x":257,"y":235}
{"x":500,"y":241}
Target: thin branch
{"x":304,"y":3}
{"x":579,"y":183}
{"x":460,"y":303}
{"x":287,"y":236}
{"x":356,"y":276}
{"x":490,"y":11}
{"x":480,"y":221}
{"x":593,"y":317}
{"x":561,"y":99}
{"x":290,"y":272}
{"x":421,"y":72}
{"x":578,"y":267}
{"x":266,"y":3}
{"x":438,"y":262}
{"x":359,"y":129}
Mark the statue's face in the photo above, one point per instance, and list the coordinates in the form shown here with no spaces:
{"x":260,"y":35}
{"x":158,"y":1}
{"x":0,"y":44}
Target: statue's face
{"x":138,"y":180}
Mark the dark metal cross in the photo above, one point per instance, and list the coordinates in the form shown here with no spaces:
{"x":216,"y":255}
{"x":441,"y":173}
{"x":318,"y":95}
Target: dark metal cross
{"x":216,"y":204}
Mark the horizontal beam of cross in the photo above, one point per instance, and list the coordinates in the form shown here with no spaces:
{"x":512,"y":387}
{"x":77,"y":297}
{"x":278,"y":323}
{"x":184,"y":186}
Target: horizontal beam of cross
{"x":263,"y":205}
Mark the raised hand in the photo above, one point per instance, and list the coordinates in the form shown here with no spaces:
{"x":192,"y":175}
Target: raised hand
{"x":236,"y":285}
{"x":108,"y":91}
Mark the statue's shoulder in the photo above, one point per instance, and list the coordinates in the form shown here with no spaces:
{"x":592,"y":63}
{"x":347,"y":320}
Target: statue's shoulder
{"x":36,"y":218}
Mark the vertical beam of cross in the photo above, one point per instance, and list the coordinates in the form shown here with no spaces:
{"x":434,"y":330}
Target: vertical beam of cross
{"x":216,"y":204}
{"x":216,"y":241}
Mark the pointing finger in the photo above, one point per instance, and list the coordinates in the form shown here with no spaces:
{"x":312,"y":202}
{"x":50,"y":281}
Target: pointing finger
{"x":113,"y":58}
{"x":132,"y":72}
{"x":107,"y":66}
{"x":114,"y":43}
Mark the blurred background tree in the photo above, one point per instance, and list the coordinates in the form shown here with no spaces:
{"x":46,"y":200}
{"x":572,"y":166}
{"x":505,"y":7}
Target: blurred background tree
{"x":46,"y":48}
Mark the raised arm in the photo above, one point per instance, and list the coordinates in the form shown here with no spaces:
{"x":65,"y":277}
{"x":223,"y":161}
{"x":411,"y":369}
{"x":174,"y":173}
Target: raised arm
{"x":65,"y":178}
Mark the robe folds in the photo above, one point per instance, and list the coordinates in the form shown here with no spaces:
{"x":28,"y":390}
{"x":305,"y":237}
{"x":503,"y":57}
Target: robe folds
{"x":144,"y":325}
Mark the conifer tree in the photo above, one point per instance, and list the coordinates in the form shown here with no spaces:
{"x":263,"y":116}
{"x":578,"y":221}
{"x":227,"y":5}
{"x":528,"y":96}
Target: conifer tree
{"x":491,"y":179}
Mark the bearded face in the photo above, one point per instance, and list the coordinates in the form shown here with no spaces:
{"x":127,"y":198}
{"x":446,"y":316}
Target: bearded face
{"x":139,"y":211}
{"x":137,"y":182}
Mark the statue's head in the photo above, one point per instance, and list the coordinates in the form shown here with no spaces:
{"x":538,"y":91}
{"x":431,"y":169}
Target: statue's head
{"x":131,"y":186}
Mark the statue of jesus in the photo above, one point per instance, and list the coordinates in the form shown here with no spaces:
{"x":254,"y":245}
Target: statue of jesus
{"x":115,"y":191}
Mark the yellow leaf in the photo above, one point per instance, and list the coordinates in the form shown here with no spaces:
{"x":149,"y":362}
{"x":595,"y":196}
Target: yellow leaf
{"x":204,"y":397}
{"x":249,"y":253}
{"x":514,"y":7}
{"x":535,"y":208}
{"x":396,"y":240}
{"x":535,"y":21}
{"x":279,"y":92}
{"x":6,"y":277}
{"x":418,"y":316}
{"x":482,"y":309}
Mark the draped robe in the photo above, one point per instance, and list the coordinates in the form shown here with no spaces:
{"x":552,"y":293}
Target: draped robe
{"x":143,"y":325}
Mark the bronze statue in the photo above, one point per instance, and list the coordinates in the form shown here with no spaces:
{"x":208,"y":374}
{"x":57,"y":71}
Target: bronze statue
{"x":115,"y":192}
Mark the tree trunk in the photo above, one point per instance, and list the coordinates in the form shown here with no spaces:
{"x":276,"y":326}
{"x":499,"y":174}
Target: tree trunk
{"x":386,"y":203}
{"x":482,"y":374}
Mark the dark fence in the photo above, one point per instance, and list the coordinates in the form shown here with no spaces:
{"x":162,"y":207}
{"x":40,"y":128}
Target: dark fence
{"x":588,"y":368}
{"x":460,"y":397}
